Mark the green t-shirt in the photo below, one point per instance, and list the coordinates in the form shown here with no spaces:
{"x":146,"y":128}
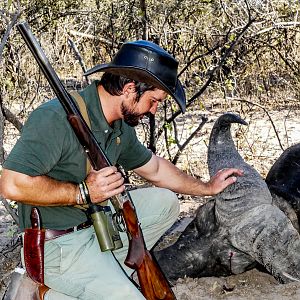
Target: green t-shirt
{"x":48,"y":146}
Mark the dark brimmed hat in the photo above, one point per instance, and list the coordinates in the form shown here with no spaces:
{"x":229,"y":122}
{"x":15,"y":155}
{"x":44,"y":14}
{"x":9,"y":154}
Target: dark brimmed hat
{"x":146,"y":62}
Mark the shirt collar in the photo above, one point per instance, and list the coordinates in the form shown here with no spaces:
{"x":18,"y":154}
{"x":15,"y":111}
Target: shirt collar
{"x":95,"y":112}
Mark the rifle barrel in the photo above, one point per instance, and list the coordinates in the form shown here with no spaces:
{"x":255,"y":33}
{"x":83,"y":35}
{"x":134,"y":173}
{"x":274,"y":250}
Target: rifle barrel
{"x":69,"y":106}
{"x":45,"y":66}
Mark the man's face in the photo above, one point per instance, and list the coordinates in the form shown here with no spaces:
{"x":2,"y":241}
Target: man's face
{"x":133,"y":111}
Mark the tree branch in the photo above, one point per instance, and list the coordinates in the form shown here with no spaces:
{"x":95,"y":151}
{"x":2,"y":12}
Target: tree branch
{"x":279,"y":25}
{"x":267,"y":113}
{"x":10,"y":210}
{"x":12,"y":118}
{"x":13,"y":21}
{"x":143,"y":8}
{"x":90,"y":36}
{"x":181,"y":147}
{"x":211,"y":72}
{"x":78,"y":57}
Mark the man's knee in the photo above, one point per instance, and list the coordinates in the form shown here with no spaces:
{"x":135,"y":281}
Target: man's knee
{"x":167,"y":201}
{"x":156,"y":206}
{"x":172,"y":200}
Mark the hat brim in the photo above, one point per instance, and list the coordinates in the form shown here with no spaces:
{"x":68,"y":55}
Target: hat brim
{"x":145,"y":76}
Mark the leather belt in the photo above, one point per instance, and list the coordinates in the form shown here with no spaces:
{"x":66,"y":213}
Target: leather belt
{"x":51,"y":234}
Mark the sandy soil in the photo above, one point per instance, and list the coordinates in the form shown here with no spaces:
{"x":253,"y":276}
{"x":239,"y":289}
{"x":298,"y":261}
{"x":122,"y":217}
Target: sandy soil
{"x":252,"y":285}
{"x":258,"y":144}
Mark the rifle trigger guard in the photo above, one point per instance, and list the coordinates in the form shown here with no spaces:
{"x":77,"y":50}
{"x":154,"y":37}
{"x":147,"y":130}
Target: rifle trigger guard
{"x":129,"y":187}
{"x":119,"y":222}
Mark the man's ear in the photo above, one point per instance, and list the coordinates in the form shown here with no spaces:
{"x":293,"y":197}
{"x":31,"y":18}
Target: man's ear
{"x":129,"y":88}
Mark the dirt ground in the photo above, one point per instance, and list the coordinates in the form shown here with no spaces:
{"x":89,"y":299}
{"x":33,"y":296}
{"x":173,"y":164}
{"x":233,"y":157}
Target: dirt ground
{"x":252,"y":285}
{"x":259,"y":146}
{"x":9,"y":248}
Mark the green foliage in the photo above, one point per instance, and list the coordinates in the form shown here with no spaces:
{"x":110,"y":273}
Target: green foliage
{"x":12,"y":230}
{"x":171,"y":140}
{"x":44,"y":13}
{"x":241,"y":48}
{"x":9,"y":2}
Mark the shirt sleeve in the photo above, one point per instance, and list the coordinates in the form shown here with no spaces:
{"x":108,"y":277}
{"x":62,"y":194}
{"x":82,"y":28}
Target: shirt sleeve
{"x":134,"y":154}
{"x":40,"y":145}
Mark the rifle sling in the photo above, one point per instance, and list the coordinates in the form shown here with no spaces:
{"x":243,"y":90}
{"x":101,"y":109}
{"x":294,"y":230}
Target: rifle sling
{"x":82,"y":107}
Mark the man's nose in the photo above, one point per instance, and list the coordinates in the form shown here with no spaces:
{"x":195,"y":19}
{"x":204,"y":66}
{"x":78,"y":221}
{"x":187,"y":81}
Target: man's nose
{"x":153,"y":108}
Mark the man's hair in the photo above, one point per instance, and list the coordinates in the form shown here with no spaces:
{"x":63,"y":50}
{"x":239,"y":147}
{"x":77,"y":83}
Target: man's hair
{"x":114,"y":84}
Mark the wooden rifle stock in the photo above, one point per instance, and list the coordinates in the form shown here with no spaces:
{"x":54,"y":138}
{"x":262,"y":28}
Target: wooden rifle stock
{"x":153,"y":283}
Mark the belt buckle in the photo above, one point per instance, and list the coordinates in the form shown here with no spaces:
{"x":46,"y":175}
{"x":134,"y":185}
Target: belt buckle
{"x":75,"y":228}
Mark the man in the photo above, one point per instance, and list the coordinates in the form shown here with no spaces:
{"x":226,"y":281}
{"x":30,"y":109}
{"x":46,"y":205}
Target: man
{"x":47,"y":166}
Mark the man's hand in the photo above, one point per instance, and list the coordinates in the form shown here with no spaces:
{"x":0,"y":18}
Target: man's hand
{"x":222,"y":179}
{"x":104,"y":184}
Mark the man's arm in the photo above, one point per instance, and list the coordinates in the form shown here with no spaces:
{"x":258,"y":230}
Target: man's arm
{"x":163,"y":173}
{"x":36,"y":190}
{"x":45,"y":191}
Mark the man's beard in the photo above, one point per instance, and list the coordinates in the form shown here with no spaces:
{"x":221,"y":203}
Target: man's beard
{"x":130,"y":117}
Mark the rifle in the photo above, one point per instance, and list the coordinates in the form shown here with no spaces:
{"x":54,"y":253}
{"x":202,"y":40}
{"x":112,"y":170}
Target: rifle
{"x":153,"y":284}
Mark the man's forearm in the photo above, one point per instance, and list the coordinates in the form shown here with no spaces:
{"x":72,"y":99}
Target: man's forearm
{"x":172,"y":178}
{"x":37,"y":190}
{"x":162,"y":173}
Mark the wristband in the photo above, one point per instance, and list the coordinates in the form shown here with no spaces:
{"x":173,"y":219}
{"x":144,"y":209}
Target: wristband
{"x":82,"y":193}
{"x":78,"y":198}
{"x":86,"y":193}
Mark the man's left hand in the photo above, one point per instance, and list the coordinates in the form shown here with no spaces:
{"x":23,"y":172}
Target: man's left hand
{"x":222,"y":179}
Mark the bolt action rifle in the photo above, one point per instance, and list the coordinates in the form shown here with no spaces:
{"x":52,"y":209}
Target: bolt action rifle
{"x":153,"y":284}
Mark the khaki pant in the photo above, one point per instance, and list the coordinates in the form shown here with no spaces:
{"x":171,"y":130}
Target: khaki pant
{"x":75,"y":268}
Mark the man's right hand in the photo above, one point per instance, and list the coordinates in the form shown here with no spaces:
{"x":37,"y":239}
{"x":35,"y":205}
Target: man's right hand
{"x":104,"y":184}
